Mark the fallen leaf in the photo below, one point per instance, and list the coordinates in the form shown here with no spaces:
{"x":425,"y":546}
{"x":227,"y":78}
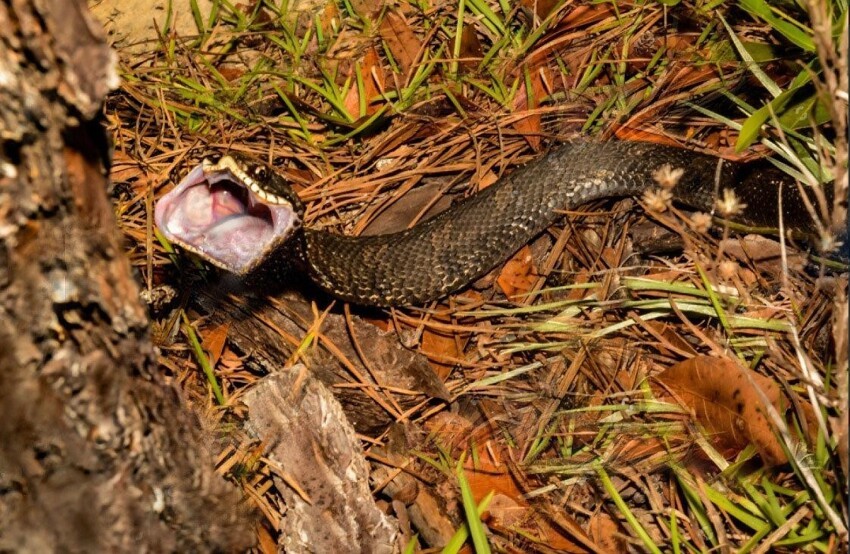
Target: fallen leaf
{"x":604,"y":531}
{"x":229,"y":362}
{"x":441,"y":348}
{"x":585,"y":15}
{"x":398,"y":215}
{"x":248,"y":8}
{"x":330,"y":18}
{"x":372,"y":75}
{"x":400,"y":40}
{"x":487,"y":179}
{"x":505,"y":511}
{"x":509,"y":508}
{"x":681,"y":42}
{"x":452,"y":430}
{"x":471,"y":51}
{"x":231,"y":73}
{"x":527,"y":100}
{"x":725,"y":399}
{"x":541,"y":8}
{"x":518,"y":275}
{"x":213,"y":342}
{"x":764,"y":254}
{"x":612,"y":256}
{"x":487,"y":477}
{"x":579,"y":292}
{"x":626,"y":132}
{"x":670,"y":333}
{"x":368,"y":9}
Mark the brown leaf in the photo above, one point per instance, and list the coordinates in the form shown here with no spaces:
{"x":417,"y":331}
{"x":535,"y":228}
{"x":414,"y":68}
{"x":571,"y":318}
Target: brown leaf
{"x":399,"y":215}
{"x":526,"y":101}
{"x":213,"y":342}
{"x":400,"y":40}
{"x":368,"y":9}
{"x":487,"y":179}
{"x":724,"y":398}
{"x":505,"y":511}
{"x":488,"y":477}
{"x":530,"y":128}
{"x":625,"y":132}
{"x":330,"y":17}
{"x":519,"y":274}
{"x":670,"y":333}
{"x":604,"y":531}
{"x":440,"y":348}
{"x":451,"y":430}
{"x":231,"y":73}
{"x":373,"y":85}
{"x":471,"y":51}
{"x":542,"y":8}
{"x":764,"y":254}
{"x":509,"y":509}
{"x":579,"y":292}
{"x":229,"y":361}
{"x":586,"y":15}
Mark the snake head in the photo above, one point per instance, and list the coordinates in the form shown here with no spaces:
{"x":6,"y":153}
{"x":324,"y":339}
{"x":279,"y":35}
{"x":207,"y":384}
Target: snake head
{"x":232,"y":213}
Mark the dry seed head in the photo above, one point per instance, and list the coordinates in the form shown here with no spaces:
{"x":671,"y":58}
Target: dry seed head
{"x":829,"y":242}
{"x":701,"y":222}
{"x":658,"y":200}
{"x":667,"y":176}
{"x":730,"y":205}
{"x":727,"y":269}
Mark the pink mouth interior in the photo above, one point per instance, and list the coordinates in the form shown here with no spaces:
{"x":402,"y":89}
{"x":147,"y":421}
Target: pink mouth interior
{"x":223,"y":221}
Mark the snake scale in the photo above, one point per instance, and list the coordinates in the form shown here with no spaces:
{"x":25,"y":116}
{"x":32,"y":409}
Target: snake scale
{"x":239,"y":214}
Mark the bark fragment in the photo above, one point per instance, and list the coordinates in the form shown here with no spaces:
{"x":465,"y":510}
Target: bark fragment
{"x":326,"y":485}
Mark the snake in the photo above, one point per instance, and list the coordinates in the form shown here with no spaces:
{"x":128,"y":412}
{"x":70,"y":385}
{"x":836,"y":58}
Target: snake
{"x":242,"y":215}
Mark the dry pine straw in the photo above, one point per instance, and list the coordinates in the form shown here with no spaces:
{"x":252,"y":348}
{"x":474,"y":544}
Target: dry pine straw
{"x":347,"y":187}
{"x":607,"y":368}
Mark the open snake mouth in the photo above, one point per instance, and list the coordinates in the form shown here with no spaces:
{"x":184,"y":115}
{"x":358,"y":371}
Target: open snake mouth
{"x":220,"y":213}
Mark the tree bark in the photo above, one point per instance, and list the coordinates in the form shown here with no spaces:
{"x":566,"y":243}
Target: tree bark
{"x":97,"y":452}
{"x":329,"y":505}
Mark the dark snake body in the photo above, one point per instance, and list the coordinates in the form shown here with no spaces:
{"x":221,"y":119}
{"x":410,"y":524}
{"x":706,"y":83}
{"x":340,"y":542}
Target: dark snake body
{"x":457,"y":246}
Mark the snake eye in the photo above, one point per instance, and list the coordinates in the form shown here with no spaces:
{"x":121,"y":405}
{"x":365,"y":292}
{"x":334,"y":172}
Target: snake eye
{"x":260,"y":172}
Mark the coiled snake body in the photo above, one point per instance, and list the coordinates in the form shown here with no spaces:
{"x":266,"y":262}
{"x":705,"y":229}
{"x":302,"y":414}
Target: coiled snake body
{"x":237,"y":214}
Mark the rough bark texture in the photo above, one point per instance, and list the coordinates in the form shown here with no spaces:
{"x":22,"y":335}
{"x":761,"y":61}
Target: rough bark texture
{"x":97,"y":454}
{"x":324,"y":476}
{"x":259,"y":330}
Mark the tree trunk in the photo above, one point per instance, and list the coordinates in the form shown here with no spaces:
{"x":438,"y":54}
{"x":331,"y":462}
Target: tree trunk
{"x":97,"y":453}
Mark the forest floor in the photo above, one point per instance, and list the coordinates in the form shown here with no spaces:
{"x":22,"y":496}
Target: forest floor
{"x":629,"y":381}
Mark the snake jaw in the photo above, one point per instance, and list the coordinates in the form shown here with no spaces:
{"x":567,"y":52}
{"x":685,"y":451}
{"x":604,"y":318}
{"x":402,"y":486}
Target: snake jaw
{"x":220,"y":213}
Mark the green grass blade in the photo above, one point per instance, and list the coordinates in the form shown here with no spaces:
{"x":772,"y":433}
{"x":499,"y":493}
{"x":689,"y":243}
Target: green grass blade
{"x":473,"y":518}
{"x":751,"y":64}
{"x":203,"y":360}
{"x":790,"y":29}
{"x":614,"y":494}
{"x":462,"y":534}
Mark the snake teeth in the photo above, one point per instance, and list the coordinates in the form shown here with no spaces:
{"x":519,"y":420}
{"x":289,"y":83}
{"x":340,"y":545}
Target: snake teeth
{"x":227,"y":166}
